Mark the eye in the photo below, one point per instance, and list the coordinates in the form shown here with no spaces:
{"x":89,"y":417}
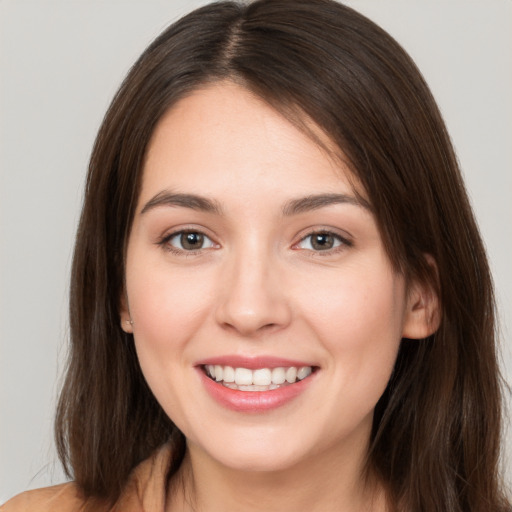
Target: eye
{"x":188,"y":241}
{"x":322,"y":241}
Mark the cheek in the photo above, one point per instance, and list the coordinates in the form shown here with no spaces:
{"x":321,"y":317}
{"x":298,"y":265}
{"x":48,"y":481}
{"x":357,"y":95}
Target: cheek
{"x":167,"y":310}
{"x":362,"y":304}
{"x":167,"y":307}
{"x":358,"y":318}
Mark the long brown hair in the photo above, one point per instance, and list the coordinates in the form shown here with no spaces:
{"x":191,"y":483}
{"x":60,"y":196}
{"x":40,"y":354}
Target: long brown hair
{"x":436,"y":434}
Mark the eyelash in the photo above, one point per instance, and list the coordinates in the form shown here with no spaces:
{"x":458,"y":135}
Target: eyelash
{"x":165,"y":242}
{"x":342,"y":243}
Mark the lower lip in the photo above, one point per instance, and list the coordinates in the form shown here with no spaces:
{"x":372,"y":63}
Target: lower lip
{"x":253,"y":401}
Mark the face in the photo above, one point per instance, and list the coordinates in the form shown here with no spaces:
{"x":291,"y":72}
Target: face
{"x":265,"y":310}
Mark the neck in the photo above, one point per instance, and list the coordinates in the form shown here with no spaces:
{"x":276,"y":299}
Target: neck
{"x":333,"y":480}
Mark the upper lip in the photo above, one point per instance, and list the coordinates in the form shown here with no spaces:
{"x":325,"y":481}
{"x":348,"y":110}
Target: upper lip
{"x":253,"y":362}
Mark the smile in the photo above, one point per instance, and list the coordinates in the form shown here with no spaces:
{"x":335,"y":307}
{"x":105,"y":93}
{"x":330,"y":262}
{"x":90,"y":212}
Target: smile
{"x":255,"y":385}
{"x":260,"y":379}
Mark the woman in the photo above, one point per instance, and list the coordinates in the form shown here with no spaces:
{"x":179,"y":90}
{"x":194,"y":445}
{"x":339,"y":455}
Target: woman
{"x":279,"y":296}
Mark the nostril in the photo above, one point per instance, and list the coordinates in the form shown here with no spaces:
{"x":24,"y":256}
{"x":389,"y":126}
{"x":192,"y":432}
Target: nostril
{"x":251,"y":305}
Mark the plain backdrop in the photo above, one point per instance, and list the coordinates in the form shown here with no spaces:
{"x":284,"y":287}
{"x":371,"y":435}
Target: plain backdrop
{"x":61,"y":62}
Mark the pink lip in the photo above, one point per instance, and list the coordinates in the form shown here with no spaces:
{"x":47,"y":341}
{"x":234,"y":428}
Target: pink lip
{"x":252,"y":363}
{"x":252,"y":401}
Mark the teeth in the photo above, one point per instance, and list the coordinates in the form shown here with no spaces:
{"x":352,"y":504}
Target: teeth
{"x":229,"y":374}
{"x":243,"y":377}
{"x":278,"y":376}
{"x":261,"y":379}
{"x":291,"y":374}
{"x":303,"y":372}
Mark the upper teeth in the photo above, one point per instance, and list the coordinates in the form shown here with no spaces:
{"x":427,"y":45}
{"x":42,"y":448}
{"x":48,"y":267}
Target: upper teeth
{"x":259,"y":377}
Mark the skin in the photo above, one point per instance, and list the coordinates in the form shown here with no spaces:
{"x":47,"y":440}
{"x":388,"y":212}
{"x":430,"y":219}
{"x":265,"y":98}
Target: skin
{"x":259,"y":287}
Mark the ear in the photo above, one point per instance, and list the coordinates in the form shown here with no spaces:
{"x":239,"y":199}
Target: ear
{"x":423,"y":310}
{"x":124,"y":313}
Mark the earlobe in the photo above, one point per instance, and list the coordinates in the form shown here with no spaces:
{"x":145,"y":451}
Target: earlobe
{"x":127,"y":325}
{"x":423,"y":311}
{"x":126,"y":319}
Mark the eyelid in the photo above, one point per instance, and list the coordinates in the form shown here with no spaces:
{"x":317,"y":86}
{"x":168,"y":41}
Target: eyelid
{"x":179,"y":234}
{"x":345,"y":239}
{"x":164,"y":240}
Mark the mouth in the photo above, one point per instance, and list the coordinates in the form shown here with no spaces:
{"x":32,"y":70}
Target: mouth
{"x":258,"y":384}
{"x":258,"y":379}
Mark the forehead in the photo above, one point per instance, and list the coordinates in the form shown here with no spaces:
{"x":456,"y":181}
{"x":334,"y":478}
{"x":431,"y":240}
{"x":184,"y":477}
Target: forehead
{"x":223,"y":139}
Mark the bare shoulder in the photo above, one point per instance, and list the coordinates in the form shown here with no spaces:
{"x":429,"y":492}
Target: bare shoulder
{"x":63,"y":497}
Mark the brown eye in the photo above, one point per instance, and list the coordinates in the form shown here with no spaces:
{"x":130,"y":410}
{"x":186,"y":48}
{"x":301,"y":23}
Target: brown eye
{"x":189,"y":241}
{"x":322,"y":241}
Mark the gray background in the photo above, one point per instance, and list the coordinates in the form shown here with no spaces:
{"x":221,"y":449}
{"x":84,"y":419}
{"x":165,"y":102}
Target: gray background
{"x":60,"y":63}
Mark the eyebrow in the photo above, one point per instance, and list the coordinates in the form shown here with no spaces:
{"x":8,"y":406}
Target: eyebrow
{"x":292,"y":207}
{"x":315,"y":202}
{"x":192,"y":201}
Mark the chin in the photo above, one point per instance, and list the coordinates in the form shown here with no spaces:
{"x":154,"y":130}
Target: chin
{"x":256,"y":451}
{"x":256,"y":461}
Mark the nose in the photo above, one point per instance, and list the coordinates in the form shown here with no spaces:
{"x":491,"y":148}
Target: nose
{"x":253,"y":298}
